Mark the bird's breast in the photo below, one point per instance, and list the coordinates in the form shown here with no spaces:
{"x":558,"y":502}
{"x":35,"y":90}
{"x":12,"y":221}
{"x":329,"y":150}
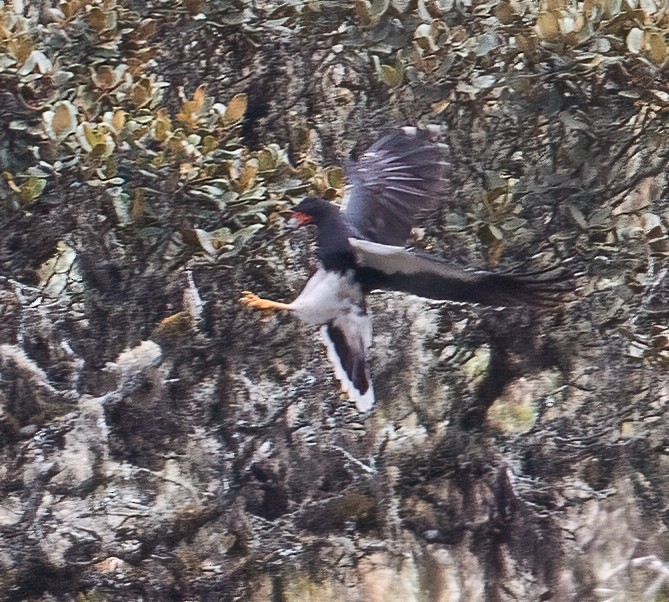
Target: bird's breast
{"x":329,"y":294}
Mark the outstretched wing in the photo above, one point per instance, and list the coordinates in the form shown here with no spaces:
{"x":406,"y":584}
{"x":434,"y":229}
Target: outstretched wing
{"x":347,"y":338}
{"x":416,"y":273}
{"x":400,"y":176}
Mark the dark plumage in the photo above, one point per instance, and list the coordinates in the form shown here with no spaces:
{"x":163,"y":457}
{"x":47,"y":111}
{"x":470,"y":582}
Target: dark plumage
{"x":362,"y":248}
{"x":335,"y":251}
{"x":400,"y":176}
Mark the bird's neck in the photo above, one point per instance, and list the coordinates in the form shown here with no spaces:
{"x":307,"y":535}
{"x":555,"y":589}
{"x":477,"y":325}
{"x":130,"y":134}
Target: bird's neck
{"x":334,"y":250}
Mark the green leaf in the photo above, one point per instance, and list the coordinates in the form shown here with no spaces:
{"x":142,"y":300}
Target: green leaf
{"x":31,"y":190}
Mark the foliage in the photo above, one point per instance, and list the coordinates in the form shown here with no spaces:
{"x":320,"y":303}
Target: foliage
{"x":86,"y":72}
{"x":511,"y":35}
{"x":98,"y":117}
{"x":557,"y":53}
{"x":170,"y":446}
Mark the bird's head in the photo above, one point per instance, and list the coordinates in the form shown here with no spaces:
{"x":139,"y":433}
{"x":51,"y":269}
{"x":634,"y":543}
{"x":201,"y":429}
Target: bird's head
{"x":312,"y":210}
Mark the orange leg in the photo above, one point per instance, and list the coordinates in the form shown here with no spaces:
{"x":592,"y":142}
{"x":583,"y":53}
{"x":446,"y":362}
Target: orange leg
{"x":255,"y":302}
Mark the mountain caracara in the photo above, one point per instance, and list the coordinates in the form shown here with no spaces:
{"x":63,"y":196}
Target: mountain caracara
{"x":362,"y":247}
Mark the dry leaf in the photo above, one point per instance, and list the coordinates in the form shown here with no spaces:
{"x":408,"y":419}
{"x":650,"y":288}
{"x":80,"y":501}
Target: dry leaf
{"x":441,"y":106}
{"x":504,"y":12}
{"x":657,"y":47}
{"x":547,"y":26}
{"x":10,"y":181}
{"x":137,"y":209}
{"x":62,"y":121}
{"x":334,"y":177}
{"x":370,"y":13}
{"x":195,"y":7}
{"x":162,"y":127}
{"x":200,"y":97}
{"x":118,"y":120}
{"x":248,"y":175}
{"x":20,"y":48}
{"x":141,"y":93}
{"x":556,"y":4}
{"x":235,"y":109}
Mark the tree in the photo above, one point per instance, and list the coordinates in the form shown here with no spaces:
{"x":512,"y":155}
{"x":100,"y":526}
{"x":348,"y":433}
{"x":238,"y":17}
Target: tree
{"x":160,"y":442}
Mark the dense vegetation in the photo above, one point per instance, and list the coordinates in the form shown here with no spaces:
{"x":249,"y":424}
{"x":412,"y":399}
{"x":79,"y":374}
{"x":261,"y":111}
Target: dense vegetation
{"x":159,"y":442}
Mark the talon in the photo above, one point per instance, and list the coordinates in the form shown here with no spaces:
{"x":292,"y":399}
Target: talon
{"x":252,"y":301}
{"x":249,"y":299}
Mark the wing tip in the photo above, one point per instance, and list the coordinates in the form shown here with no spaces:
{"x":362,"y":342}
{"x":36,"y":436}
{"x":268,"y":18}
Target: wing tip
{"x":364,"y":402}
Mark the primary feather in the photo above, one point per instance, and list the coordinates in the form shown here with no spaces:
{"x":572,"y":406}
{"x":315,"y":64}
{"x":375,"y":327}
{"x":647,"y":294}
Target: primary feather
{"x":397,"y":179}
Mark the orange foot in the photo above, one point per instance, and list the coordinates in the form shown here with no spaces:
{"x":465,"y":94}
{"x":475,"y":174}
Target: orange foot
{"x":254,"y":302}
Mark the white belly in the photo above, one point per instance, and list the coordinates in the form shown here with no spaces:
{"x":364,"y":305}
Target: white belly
{"x":326,"y":295}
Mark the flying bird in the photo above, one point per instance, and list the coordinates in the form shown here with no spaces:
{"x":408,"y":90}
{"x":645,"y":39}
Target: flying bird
{"x":363,"y":247}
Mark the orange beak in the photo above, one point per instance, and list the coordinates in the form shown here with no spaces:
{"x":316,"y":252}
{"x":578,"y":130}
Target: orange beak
{"x":300,"y":219}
